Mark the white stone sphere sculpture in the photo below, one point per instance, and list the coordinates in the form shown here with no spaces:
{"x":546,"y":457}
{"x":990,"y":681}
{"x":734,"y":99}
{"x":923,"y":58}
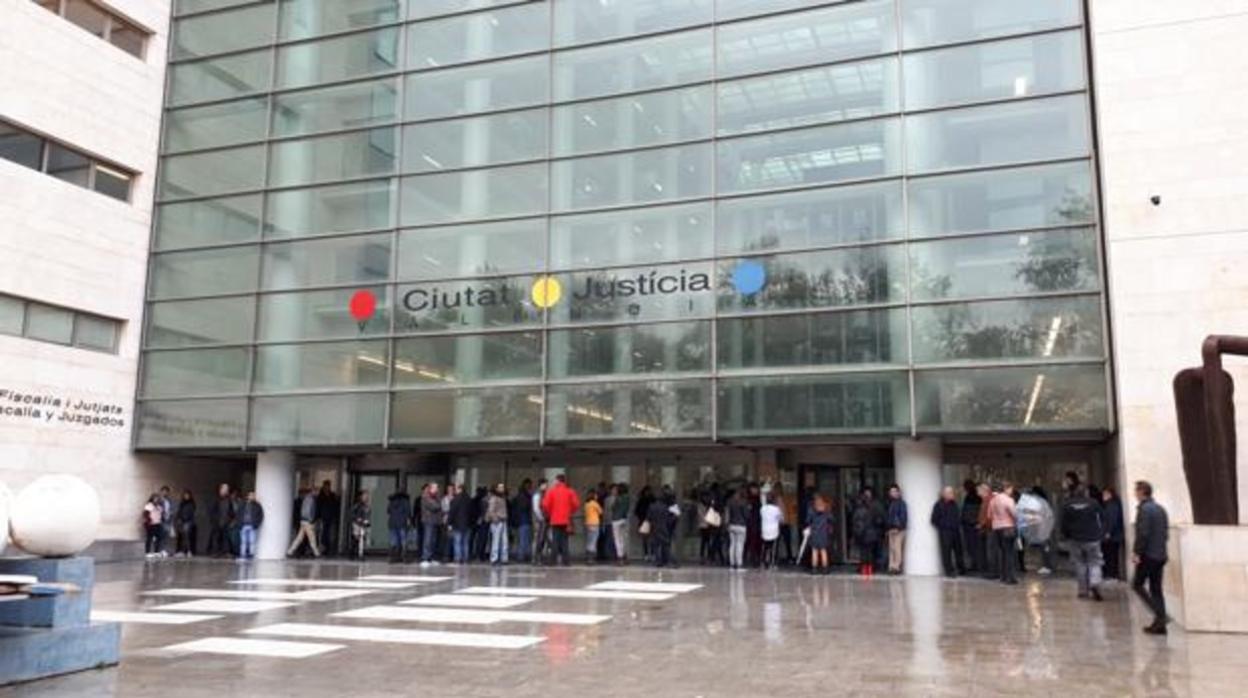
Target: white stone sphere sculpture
{"x":6,"y":500}
{"x":55,"y":516}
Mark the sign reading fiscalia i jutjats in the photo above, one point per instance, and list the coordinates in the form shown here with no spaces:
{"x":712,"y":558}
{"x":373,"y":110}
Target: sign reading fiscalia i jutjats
{"x":49,"y":408}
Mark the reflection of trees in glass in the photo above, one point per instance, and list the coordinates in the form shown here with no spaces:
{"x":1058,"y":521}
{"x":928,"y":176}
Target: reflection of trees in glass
{"x":1055,"y":260}
{"x":821,"y":279}
{"x":1008,"y":329}
{"x":502,"y":415}
{"x":662,"y":348}
{"x":841,"y":403}
{"x":854,"y":337}
{"x":1064,"y":398}
{"x":1058,"y":261}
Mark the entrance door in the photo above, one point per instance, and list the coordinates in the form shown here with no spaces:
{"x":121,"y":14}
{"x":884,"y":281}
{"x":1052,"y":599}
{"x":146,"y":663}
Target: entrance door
{"x":379,"y":485}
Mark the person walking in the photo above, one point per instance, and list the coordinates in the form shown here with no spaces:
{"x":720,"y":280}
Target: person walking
{"x":220,"y":516}
{"x":1084,"y":529}
{"x":185,"y":522}
{"x":559,"y":504}
{"x":971,"y":502}
{"x":1152,"y":533}
{"x":820,"y":534}
{"x":430,"y":522}
{"x":398,"y":517}
{"x":738,"y":518}
{"x":496,"y":518}
{"x":1115,"y":533}
{"x":307,"y":525}
{"x":898,"y":519}
{"x":459,"y":519}
{"x":593,"y":525}
{"x":361,"y":522}
{"x":619,"y":513}
{"x":520,"y":515}
{"x":541,"y":526}
{"x":153,"y":527}
{"x":1004,"y":522}
{"x":947,"y":519}
{"x":771,"y":516}
{"x":328,"y":509}
{"x":250,"y":518}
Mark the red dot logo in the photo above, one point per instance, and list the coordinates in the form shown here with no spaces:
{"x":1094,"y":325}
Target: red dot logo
{"x":362,"y":306}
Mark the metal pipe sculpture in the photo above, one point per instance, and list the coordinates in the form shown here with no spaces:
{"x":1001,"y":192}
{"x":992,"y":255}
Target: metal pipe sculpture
{"x":1204,"y":399}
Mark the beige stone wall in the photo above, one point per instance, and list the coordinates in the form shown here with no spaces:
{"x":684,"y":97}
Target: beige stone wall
{"x":1171,"y":97}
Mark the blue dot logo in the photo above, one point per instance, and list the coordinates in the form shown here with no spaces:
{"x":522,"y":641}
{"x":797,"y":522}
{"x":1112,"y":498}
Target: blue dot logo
{"x":749,"y":277}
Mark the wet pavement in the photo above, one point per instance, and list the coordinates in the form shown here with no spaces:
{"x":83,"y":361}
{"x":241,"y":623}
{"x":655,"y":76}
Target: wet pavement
{"x":334,"y":628}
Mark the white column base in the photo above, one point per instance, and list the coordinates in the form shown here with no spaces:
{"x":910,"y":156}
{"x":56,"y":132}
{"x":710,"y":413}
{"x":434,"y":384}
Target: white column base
{"x":275,"y":490}
{"x":918,"y":466}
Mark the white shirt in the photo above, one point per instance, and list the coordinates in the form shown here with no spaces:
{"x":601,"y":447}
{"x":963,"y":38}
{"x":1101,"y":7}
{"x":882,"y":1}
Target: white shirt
{"x":772,"y":516}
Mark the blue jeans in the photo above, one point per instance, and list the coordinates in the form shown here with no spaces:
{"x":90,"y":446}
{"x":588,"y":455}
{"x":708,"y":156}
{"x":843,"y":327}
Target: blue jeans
{"x":247,"y":541}
{"x":398,"y":538}
{"x":498,"y":541}
{"x":459,"y":544}
{"x":524,"y":544}
{"x":429,"y":536}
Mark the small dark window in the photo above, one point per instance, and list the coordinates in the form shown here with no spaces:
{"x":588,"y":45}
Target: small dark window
{"x":87,"y":15}
{"x":21,"y":147}
{"x":111,"y":182}
{"x":68,"y":165}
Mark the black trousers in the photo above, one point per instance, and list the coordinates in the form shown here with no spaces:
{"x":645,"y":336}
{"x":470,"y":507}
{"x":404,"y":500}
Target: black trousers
{"x":786,"y":535}
{"x":1007,"y":555}
{"x":559,"y":543}
{"x":1150,"y":572}
{"x":952,"y":555}
{"x":662,"y":551}
{"x":972,"y":555}
{"x":1111,"y":551}
{"x":218,"y":540}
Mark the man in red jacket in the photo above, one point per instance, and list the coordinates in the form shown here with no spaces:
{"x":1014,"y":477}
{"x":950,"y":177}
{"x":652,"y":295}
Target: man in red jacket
{"x":559,"y":504}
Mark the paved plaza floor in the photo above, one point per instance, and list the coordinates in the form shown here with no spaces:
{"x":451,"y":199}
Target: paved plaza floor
{"x":340,"y":629}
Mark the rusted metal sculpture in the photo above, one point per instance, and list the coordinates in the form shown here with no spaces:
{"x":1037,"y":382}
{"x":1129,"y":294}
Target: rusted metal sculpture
{"x":1206,"y":410}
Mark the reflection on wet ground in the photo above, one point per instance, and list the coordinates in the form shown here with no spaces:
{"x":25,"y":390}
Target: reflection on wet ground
{"x":734,"y":635}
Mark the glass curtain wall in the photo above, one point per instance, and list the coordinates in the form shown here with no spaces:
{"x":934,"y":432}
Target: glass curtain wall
{"x":401,"y":223}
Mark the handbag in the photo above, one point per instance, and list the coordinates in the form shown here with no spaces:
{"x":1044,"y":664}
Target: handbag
{"x":712,"y":518}
{"x":644,"y":528}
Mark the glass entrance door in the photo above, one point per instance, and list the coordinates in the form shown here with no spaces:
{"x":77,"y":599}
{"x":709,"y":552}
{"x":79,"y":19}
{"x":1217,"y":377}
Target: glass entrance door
{"x":379,"y":485}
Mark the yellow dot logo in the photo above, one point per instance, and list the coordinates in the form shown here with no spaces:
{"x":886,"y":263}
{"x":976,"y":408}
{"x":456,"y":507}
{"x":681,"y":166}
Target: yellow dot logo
{"x":547,"y":291}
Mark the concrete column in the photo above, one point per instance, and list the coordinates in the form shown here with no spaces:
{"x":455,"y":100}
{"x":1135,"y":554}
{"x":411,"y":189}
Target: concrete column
{"x":918,"y":465}
{"x":275,"y":490}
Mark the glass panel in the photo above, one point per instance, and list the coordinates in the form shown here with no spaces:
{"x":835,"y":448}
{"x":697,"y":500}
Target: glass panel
{"x":653,"y":118}
{"x":333,"y":108}
{"x":632,"y":178}
{"x":223,"y":32}
{"x":289,"y":367}
{"x":205,"y":272}
{"x":460,"y":196}
{"x":198,"y":372}
{"x":468,"y":359}
{"x":855,"y":402}
{"x":340,"y":58}
{"x":21,"y":147}
{"x":341,"y":313}
{"x":1025,"y":67}
{"x":629,"y":410}
{"x":831,"y":278}
{"x":208,"y":222}
{"x":826,"y":339}
{"x":475,"y":142}
{"x":634,"y":236}
{"x":522,"y":82}
{"x":321,"y":420}
{"x":112,"y":183}
{"x":91,"y":332}
{"x":302,"y":19}
{"x":467,"y":305}
{"x":216,"y":125}
{"x":604,"y":351}
{"x":340,"y":208}
{"x":735,"y":9}
{"x":628,"y":66}
{"x":87,"y":15}
{"x":929,"y":22}
{"x":127,"y":37}
{"x":220,"y":78}
{"x":214,"y":172}
{"x":1005,"y":265}
{"x":1027,"y":197}
{"x":1056,"y":128}
{"x":579,"y":22}
{"x":68,"y":165}
{"x":12,"y":315}
{"x":500,"y":414}
{"x":186,"y":7}
{"x":804,"y":219}
{"x":505,"y":247}
{"x":358,"y":259}
{"x":808,"y":97}
{"x":478,"y":36}
{"x":209,"y":321}
{"x":810,"y":156}
{"x":192,"y":424}
{"x":1035,"y":397}
{"x":645,"y":294}
{"x":49,"y":324}
{"x":434,"y":8}
{"x":806,"y":38}
{"x":329,"y":158}
{"x":1039,"y":328}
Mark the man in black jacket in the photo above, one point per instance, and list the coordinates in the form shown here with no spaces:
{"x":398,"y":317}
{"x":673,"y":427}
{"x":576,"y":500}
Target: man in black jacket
{"x":972,"y":554}
{"x":1083,"y":525}
{"x":947,"y":518}
{"x":460,"y":520}
{"x":1152,"y":532}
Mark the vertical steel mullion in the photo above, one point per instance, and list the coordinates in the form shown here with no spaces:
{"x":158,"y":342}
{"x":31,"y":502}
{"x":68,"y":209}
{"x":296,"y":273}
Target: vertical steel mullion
{"x":714,"y":385}
{"x":898,"y":20}
{"x":396,"y":215}
{"x":544,"y":407}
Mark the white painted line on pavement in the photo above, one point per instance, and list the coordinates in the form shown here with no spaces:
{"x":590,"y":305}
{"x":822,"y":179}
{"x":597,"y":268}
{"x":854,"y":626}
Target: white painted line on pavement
{"x":409,"y":637}
{"x":224,"y":606}
{"x":329,"y":583}
{"x":567,"y":593}
{"x":657,"y":587}
{"x":467,"y":601}
{"x":254,"y":648}
{"x":469,"y":615}
{"x":413,"y":578}
{"x":102,"y":616}
{"x":260,"y":595}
